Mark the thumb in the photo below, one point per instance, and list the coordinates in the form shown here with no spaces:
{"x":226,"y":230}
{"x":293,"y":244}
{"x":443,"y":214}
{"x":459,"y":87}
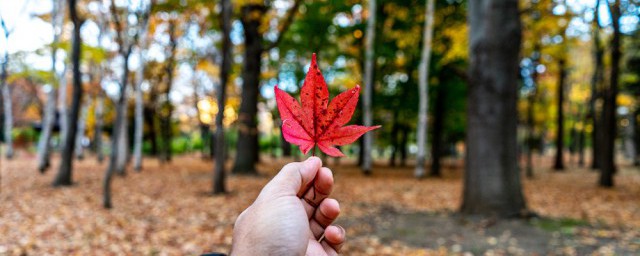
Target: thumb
{"x":294,"y":178}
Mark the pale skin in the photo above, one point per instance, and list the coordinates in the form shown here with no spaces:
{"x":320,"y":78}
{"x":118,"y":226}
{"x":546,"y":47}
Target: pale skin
{"x":293,"y":215}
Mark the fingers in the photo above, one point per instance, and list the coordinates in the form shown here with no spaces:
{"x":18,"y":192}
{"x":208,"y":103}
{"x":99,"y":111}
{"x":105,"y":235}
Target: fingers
{"x":319,"y":190}
{"x":293,"y":179}
{"x":327,"y":212}
{"x":334,"y":237}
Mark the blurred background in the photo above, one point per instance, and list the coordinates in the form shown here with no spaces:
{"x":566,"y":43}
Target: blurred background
{"x":144,"y":127}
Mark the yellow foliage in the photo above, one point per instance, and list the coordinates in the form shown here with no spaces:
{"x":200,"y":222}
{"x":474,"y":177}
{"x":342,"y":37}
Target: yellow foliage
{"x":209,"y":68}
{"x":458,"y":49}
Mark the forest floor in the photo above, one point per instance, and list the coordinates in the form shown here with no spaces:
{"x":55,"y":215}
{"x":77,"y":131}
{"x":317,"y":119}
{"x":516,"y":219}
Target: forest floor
{"x":167,"y":210}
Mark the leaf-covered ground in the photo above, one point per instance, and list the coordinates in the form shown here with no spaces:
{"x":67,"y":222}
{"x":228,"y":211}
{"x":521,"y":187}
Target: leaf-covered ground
{"x":166,"y":210}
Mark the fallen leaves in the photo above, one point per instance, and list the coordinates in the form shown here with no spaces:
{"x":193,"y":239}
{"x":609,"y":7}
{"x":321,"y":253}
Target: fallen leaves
{"x":166,"y":209}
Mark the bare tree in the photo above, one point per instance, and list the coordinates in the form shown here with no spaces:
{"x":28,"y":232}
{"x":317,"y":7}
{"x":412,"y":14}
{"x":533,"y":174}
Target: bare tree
{"x":126,"y":45}
{"x":424,"y":89}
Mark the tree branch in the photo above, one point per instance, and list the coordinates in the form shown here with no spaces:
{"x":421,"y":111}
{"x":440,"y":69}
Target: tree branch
{"x":285,"y":26}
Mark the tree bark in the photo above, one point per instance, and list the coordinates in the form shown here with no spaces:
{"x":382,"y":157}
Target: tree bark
{"x":369,"y":87}
{"x":492,"y":179}
{"x":559,"y":160}
{"x":607,"y":164}
{"x":219,"y":186}
{"x":423,"y":108}
{"x":64,"y":176}
{"x":247,"y":147}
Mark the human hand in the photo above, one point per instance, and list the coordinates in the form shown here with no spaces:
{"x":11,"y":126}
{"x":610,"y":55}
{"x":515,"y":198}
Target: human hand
{"x":291,"y":214}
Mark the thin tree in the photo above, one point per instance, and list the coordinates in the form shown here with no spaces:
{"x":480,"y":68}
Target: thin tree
{"x":423,"y":85}
{"x":125,"y":48}
{"x":608,"y":136}
{"x":247,"y":146}
{"x":368,"y":87}
{"x":48,"y":121}
{"x":6,"y":92}
{"x":219,"y":172}
{"x":139,"y":107}
{"x":82,"y":125}
{"x":64,"y":176}
{"x":559,"y":160}
{"x":100,"y":94}
{"x":492,"y":179}
{"x":596,"y":79}
{"x":166,"y":105}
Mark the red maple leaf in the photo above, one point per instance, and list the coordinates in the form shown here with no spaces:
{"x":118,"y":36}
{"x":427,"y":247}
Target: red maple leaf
{"x":316,"y":121}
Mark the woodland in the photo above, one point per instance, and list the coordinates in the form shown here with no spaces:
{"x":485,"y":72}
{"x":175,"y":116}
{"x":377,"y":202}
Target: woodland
{"x":489,"y":127}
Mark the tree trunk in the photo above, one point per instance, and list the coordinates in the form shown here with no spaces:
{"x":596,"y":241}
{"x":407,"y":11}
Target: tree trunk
{"x":247,"y":147}
{"x":636,"y":135}
{"x":167,"y":107}
{"x":596,"y":79}
{"x":99,"y":124}
{"x":559,"y":160}
{"x":64,"y":176}
{"x":150,"y":119}
{"x":286,"y":146}
{"x":581,"y":140}
{"x":438,"y":128}
{"x":122,"y":151}
{"x":607,"y":164}
{"x":394,"y":138}
{"x":7,"y":106}
{"x":403,"y":145}
{"x":219,"y":172}
{"x":423,"y":107}
{"x":63,"y":114}
{"x":117,"y":131}
{"x":139,"y":107}
{"x":492,"y":180}
{"x":79,"y":150}
{"x":530,"y":134}
{"x":44,"y":144}
{"x":369,"y":87}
